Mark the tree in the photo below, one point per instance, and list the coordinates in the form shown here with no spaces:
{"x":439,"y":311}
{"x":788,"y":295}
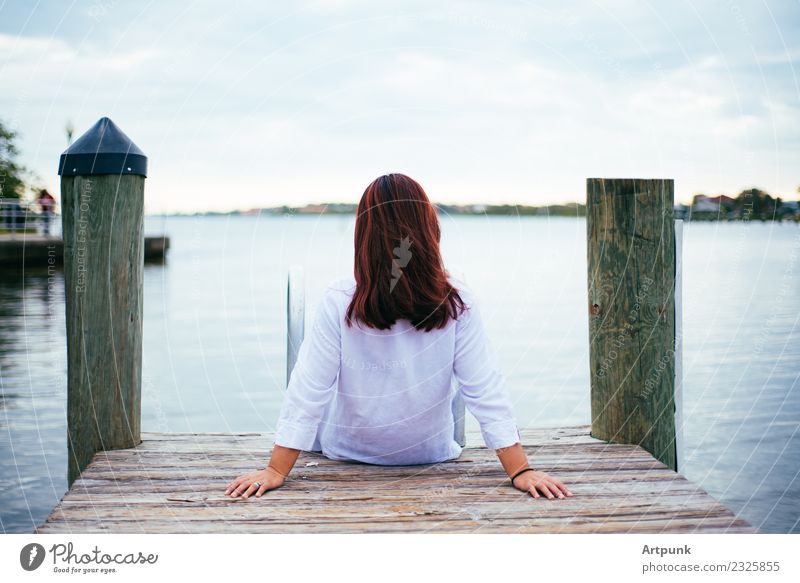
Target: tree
{"x":12,"y":174}
{"x":760,"y":203}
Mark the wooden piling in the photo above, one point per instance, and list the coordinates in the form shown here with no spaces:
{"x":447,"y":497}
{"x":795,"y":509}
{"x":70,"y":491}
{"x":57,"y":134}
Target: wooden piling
{"x":631,"y":265}
{"x":102,"y":201}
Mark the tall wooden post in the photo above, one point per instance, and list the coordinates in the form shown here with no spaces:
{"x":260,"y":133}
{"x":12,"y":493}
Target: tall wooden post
{"x":631,"y":264}
{"x":102,"y":201}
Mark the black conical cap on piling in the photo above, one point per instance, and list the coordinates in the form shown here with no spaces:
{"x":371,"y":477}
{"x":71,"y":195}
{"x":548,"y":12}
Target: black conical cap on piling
{"x":104,"y":149}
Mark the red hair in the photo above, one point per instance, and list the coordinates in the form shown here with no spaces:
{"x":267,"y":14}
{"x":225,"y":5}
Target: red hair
{"x":399,"y":270}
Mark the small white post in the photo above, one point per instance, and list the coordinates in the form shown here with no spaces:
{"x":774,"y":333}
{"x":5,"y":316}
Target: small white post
{"x":459,"y":411}
{"x":679,"y":344}
{"x":295,"y":317}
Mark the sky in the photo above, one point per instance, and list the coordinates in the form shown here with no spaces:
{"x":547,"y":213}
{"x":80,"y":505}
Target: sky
{"x":250,"y":104}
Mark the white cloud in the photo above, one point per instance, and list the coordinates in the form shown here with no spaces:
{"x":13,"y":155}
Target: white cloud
{"x":500,"y":101}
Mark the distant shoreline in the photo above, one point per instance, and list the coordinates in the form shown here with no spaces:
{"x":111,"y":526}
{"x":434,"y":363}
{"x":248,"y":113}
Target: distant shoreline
{"x":785,"y":212}
{"x":569,"y":209}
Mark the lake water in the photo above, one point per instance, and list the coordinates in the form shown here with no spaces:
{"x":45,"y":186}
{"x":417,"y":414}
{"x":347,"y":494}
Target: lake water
{"x":215,"y":335}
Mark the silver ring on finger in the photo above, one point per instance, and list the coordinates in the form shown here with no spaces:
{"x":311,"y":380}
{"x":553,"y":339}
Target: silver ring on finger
{"x":257,"y":484}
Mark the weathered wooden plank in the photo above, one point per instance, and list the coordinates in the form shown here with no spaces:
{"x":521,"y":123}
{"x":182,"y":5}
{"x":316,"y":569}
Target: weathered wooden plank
{"x":521,"y":507}
{"x":594,"y":484}
{"x":558,"y":526}
{"x":309,"y":488}
{"x":258,"y":449}
{"x":172,"y":527}
{"x":576,"y":432}
{"x":334,"y":496}
{"x":533,"y":511}
{"x":226,"y":462}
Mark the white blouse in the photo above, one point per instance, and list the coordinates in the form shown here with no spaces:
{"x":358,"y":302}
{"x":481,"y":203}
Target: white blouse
{"x":385,"y":396}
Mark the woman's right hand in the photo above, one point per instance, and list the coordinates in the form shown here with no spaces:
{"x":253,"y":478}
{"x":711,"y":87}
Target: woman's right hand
{"x":245,"y":485}
{"x":535,"y":480}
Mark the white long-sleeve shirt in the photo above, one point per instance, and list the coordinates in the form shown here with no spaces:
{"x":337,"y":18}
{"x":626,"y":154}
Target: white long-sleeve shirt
{"x":385,"y":396}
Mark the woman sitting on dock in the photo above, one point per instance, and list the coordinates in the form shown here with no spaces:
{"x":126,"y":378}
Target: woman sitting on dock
{"x":372,"y":382}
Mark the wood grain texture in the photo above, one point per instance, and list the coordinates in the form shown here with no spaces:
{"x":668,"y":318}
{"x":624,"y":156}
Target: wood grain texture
{"x":175,"y":483}
{"x":103,"y":222}
{"x":631,"y":264}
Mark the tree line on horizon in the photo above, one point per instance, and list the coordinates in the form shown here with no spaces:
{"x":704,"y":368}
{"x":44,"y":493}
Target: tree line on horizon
{"x":751,"y":203}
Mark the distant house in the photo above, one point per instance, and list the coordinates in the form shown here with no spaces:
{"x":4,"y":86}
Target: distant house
{"x":705,"y":204}
{"x":681,"y":211}
{"x":315,"y":209}
{"x":723,"y":201}
{"x":789,"y":209}
{"x":713,"y":207}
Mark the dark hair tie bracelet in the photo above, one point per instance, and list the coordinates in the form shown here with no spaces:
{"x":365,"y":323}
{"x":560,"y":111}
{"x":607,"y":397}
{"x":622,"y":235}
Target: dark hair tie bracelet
{"x":522,"y":471}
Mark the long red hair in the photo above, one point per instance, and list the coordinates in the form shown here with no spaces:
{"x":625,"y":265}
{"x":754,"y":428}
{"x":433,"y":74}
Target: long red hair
{"x":399,"y":270}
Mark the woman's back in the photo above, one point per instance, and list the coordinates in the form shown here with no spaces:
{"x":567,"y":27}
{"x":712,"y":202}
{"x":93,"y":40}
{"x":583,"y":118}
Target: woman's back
{"x":385,"y":396}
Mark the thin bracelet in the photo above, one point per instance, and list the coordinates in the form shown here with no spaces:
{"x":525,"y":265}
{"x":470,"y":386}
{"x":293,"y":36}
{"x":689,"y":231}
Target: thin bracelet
{"x":523,"y":470}
{"x":277,"y":472}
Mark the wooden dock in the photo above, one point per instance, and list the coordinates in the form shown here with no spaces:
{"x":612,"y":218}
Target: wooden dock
{"x":124,"y":480}
{"x":25,"y":250}
{"x":175,"y":483}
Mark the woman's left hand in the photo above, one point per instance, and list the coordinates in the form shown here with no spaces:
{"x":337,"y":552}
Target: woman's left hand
{"x":246,"y":485}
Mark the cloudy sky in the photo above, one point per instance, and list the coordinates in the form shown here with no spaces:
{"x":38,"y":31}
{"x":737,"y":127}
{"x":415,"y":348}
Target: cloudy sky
{"x":244,"y":104}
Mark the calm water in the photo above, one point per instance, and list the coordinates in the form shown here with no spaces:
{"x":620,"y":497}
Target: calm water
{"x":214,"y":344}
